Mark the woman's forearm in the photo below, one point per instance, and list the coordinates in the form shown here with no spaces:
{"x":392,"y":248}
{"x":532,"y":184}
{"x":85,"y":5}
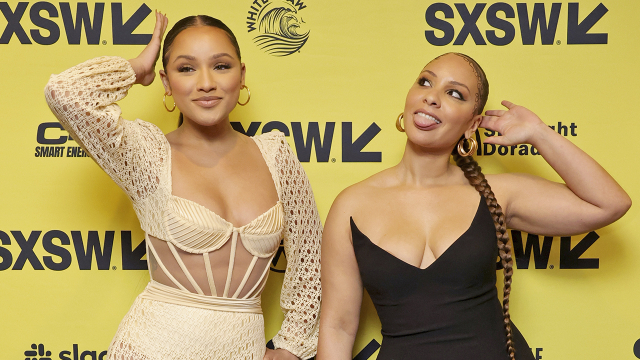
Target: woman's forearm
{"x":335,"y":344}
{"x":581,"y":173}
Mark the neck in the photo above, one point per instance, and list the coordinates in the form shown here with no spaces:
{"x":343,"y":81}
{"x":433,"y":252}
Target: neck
{"x":216,"y":137}
{"x":422,"y":167}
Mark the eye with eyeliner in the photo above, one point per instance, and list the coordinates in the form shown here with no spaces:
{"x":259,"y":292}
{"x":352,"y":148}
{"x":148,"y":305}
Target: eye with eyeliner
{"x":423,"y":81}
{"x":222,"y":66}
{"x":459,"y":97}
{"x":185,"y":68}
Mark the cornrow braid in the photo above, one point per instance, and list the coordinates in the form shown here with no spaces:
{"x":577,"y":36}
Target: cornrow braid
{"x":483,"y":84}
{"x":473,"y":173}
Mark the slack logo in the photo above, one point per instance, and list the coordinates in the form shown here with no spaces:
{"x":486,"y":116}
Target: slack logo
{"x":38,"y":352}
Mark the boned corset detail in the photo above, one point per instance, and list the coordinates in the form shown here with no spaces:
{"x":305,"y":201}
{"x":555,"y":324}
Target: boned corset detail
{"x":196,"y":236}
{"x":195,"y":229}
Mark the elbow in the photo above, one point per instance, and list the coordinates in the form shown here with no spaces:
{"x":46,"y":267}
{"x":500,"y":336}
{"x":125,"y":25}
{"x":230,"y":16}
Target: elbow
{"x":51,"y":89}
{"x":52,"y":95}
{"x":339,"y":327}
{"x":60,"y":104}
{"x":50,"y":92}
{"x":618,"y":208}
{"x":624,"y":204}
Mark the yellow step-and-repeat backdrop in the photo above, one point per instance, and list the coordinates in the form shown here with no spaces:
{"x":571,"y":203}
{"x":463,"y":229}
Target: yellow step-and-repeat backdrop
{"x":71,"y":252}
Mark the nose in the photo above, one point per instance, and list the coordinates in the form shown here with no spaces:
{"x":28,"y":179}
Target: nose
{"x":207,"y":81}
{"x":431,"y":98}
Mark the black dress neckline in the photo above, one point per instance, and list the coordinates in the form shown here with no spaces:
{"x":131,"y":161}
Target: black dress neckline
{"x":354,"y":228}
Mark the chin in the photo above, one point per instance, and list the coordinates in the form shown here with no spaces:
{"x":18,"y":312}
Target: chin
{"x":208,"y":122}
{"x":206,"y":119}
{"x":429,"y":142}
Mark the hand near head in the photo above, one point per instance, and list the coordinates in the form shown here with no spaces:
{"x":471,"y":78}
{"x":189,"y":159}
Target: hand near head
{"x":517,"y":125}
{"x":279,"y":354}
{"x":145,"y":64}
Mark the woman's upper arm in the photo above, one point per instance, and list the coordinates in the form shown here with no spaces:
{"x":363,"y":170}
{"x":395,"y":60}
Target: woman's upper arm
{"x":341,"y":282}
{"x":83,"y":98}
{"x":543,"y":207}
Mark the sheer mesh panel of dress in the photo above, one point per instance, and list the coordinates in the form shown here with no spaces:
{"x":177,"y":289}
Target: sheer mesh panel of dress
{"x":221,"y":260}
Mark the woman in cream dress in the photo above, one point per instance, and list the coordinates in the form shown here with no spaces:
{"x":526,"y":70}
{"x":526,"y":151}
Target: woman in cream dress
{"x":214,"y":203}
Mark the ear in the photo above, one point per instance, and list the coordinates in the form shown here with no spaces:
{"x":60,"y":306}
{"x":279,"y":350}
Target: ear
{"x":165,"y":82}
{"x":243,"y":70}
{"x":475,"y":123}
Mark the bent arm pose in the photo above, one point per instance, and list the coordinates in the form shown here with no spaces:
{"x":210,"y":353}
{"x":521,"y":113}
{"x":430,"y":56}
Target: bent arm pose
{"x":214,"y":204}
{"x":423,"y":243}
{"x":589,"y":199}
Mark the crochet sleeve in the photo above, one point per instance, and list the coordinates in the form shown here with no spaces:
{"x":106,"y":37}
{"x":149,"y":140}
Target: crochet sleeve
{"x":83,"y":99}
{"x":300,"y":297}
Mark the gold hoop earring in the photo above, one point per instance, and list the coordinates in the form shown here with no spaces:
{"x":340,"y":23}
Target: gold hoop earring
{"x":473,"y":146}
{"x":248,"y":96}
{"x":164,"y":101}
{"x":399,"y":122}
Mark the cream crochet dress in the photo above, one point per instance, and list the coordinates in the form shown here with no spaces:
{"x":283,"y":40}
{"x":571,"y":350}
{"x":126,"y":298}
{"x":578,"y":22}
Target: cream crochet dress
{"x":203,"y":300}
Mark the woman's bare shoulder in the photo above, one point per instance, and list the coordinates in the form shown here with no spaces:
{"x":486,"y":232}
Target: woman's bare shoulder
{"x":362,"y":192}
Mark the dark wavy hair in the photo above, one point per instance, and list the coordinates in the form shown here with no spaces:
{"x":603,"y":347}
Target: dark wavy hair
{"x":193,"y":21}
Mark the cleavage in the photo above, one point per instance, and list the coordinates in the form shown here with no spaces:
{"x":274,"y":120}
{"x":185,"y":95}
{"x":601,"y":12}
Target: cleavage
{"x":238,"y":187}
{"x":418,"y":240}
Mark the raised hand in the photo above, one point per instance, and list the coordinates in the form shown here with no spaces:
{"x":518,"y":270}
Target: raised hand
{"x":145,"y":64}
{"x":517,"y":125}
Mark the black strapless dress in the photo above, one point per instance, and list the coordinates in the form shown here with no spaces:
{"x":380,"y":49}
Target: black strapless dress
{"x":448,"y":311}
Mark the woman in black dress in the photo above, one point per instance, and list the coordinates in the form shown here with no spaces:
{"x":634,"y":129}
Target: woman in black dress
{"x":423,"y":242}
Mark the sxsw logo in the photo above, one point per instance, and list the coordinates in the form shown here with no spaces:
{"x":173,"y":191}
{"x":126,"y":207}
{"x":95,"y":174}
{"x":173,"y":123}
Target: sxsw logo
{"x":570,"y":256}
{"x":75,"y":20}
{"x":352,"y":149}
{"x":530,"y":18}
{"x":89,"y":249}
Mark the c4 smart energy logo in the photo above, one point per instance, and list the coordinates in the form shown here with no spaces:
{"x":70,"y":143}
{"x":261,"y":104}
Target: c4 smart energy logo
{"x":279,"y":25}
{"x":50,"y":136}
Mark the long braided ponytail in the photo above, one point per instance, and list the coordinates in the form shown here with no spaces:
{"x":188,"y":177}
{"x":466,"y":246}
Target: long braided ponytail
{"x":473,"y":173}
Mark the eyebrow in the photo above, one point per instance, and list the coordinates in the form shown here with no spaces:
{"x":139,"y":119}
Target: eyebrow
{"x":461,"y":84}
{"x":450,"y":82}
{"x":213,"y":57}
{"x":430,"y":72}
